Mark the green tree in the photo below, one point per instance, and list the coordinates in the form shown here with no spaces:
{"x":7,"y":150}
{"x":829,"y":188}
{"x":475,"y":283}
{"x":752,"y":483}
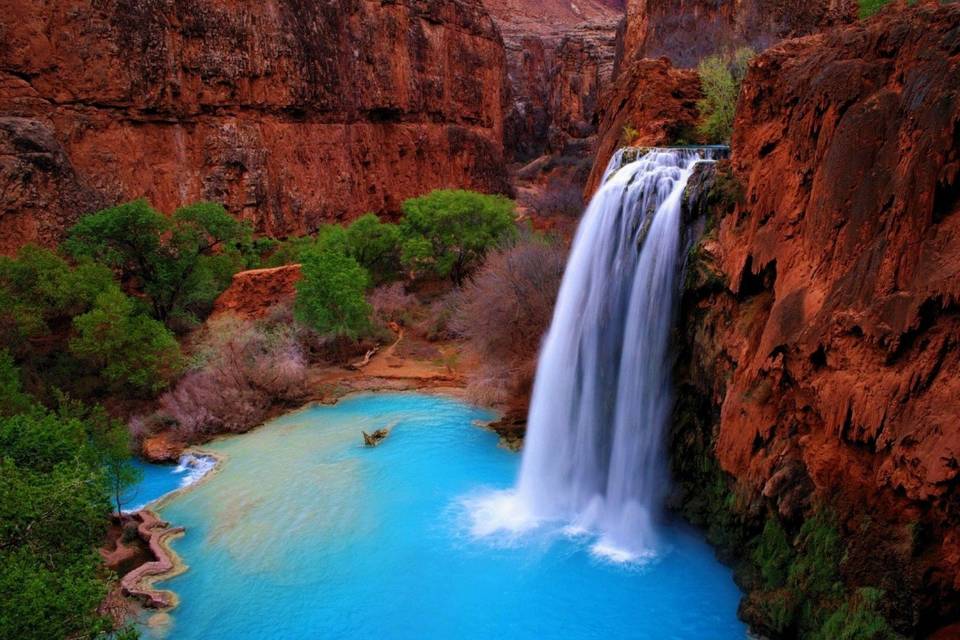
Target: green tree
{"x":53,"y":512}
{"x":720,"y":80}
{"x":447,"y":233}
{"x":375,"y":245}
{"x":131,"y":350}
{"x":39,"y":291}
{"x":180,"y":263}
{"x":331,"y":293}
{"x":12,"y":398}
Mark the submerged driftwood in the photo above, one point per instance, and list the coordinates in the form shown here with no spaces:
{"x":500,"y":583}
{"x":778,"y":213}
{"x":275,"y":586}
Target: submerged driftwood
{"x":378,"y":436}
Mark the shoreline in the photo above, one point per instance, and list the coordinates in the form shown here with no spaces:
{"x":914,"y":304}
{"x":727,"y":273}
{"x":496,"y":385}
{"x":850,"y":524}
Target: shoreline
{"x":139,"y":584}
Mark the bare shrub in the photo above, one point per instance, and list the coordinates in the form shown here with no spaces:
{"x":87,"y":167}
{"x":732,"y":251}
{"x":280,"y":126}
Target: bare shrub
{"x":504,"y":313}
{"x":560,"y":197}
{"x":505,"y":310}
{"x":436,"y":321}
{"x":391,"y":303}
{"x":243,"y":369}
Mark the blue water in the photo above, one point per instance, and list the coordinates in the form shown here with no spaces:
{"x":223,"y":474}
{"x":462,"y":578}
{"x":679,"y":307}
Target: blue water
{"x":159,"y":480}
{"x":306,"y":534}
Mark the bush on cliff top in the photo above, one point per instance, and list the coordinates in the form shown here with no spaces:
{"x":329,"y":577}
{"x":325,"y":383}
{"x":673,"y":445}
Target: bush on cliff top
{"x":720,"y":80}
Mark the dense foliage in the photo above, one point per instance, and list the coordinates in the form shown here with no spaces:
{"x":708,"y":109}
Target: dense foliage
{"x":179,"y":263}
{"x":331,"y":293}
{"x":447,"y":233}
{"x":58,"y":472}
{"x":720,"y":80}
{"x":71,"y":327}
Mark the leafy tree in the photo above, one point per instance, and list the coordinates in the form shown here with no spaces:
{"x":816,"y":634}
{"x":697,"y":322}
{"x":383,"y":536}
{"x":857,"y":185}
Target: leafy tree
{"x":181,"y":264}
{"x":330,"y":293}
{"x":447,"y":233}
{"x":39,"y":292}
{"x":131,"y":350}
{"x":12,"y":398}
{"x":720,"y":79}
{"x":375,"y":245}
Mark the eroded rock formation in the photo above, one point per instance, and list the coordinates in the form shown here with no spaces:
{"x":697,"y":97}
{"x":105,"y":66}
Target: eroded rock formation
{"x":290,"y":113}
{"x":823,"y":311}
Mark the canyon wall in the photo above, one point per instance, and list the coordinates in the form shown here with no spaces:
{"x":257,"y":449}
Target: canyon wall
{"x":821,"y":325}
{"x":687,"y":30}
{"x":560,"y":56}
{"x":290,"y":113}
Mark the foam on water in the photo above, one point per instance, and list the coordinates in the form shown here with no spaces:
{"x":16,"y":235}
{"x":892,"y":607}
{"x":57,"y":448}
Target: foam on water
{"x":159,"y":481}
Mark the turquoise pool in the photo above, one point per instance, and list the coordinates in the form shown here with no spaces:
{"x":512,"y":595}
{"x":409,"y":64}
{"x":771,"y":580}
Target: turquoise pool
{"x":306,"y":534}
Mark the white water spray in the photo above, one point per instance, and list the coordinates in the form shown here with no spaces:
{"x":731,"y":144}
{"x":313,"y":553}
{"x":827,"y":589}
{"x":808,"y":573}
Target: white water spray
{"x":594,"y":455}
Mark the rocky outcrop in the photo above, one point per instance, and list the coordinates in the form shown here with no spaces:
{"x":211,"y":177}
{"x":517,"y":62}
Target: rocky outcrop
{"x":252,"y":294}
{"x":138,"y":582}
{"x":290,"y":113}
{"x":560,"y":56}
{"x":650,"y":104}
{"x":687,"y":30}
{"x":821,"y":357}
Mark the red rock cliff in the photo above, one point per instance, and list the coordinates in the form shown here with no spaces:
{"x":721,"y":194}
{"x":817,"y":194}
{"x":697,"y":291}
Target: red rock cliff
{"x":687,"y":30}
{"x":828,"y":335}
{"x":288,"y":112}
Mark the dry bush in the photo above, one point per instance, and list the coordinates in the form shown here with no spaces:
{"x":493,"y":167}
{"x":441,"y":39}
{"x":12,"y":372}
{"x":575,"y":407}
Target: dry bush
{"x":244,"y":370}
{"x":560,"y":197}
{"x":436,"y":321}
{"x":505,"y":312}
{"x":391,"y":303}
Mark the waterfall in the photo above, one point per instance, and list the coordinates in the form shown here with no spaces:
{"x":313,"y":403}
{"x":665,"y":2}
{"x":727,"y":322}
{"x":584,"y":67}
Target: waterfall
{"x":594,"y":452}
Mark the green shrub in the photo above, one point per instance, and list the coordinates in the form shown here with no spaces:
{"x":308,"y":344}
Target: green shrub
{"x":180,"y":263}
{"x":331,"y":293}
{"x":871,"y":7}
{"x":376,"y":246}
{"x":857,"y":619}
{"x":720,"y":80}
{"x":628,"y":135}
{"x":40,"y":291}
{"x":12,"y":398}
{"x":447,"y":233}
{"x":773,"y":554}
{"x":132,"y":351}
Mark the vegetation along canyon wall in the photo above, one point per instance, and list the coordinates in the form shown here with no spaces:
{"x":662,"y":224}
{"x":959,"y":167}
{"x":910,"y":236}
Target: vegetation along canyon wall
{"x":816,"y":432}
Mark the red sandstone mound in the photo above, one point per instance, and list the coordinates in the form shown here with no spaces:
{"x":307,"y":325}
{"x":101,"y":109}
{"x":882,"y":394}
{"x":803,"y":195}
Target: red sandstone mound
{"x":834,"y":358}
{"x":289,"y":113}
{"x":253,"y":293}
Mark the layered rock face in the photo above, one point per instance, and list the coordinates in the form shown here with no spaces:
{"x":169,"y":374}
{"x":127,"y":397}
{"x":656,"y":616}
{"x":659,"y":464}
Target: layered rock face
{"x":687,"y":30}
{"x":560,"y":56}
{"x":290,"y":113}
{"x":822,"y":320}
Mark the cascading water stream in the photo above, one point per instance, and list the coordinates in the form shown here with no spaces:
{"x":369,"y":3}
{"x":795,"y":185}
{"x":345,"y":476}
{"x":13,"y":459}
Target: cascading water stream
{"x":594,"y":455}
